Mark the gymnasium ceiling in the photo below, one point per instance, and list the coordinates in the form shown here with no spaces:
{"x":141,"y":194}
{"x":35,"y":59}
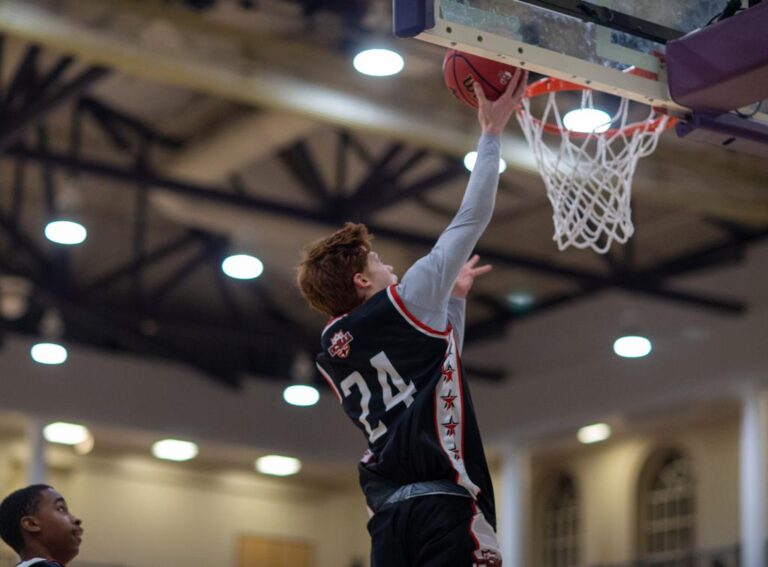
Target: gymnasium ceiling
{"x":179,"y":131}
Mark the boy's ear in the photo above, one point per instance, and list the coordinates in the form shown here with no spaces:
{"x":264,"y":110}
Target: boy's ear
{"x":361,"y":281}
{"x":30,"y":524}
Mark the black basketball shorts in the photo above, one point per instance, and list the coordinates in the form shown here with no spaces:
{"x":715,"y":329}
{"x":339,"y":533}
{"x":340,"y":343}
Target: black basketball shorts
{"x":433,"y":531}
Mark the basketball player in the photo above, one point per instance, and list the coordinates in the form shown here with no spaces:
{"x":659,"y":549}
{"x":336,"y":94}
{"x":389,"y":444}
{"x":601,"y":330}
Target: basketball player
{"x":37,"y":524}
{"x":391,"y":355}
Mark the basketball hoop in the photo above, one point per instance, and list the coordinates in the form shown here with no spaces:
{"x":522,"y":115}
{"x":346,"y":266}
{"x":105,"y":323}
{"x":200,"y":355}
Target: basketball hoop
{"x":589,"y":176}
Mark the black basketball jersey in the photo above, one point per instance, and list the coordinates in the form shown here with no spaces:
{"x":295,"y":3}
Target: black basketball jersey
{"x":402,"y":384}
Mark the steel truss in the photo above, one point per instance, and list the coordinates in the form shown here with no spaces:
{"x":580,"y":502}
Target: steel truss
{"x":267,"y":344}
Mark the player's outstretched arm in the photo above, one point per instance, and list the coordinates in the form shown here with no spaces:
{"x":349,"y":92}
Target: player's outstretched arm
{"x":426,"y":287}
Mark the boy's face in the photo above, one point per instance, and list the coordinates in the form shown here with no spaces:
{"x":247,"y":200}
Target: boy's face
{"x":380,"y":274}
{"x":58,"y":530}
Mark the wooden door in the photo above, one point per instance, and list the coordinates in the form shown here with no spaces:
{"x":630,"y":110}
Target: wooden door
{"x":272,"y":552}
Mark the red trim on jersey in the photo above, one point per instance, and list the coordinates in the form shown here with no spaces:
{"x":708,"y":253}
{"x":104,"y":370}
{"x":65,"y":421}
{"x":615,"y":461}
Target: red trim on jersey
{"x":472,"y":525}
{"x":460,"y":379}
{"x":331,"y":321}
{"x":398,"y":301}
{"x":330,"y":382}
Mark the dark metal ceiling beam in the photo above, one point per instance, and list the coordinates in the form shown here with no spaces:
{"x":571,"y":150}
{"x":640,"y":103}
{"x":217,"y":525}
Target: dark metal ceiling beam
{"x":416,"y":158}
{"x":231,"y":304}
{"x":14,"y":232}
{"x":379,"y":189}
{"x":179,"y":275}
{"x":2,"y":59}
{"x":50,"y":79}
{"x":342,"y":162}
{"x":648,"y":281}
{"x":640,"y":285}
{"x":22,"y":80}
{"x":277,"y":316}
{"x":132,"y":177}
{"x":36,"y":112}
{"x":113,"y":117}
{"x":358,"y":147}
{"x":387,"y":198}
{"x":216,"y":194}
{"x":126,"y":334}
{"x":377,"y":177}
{"x":139,"y":244}
{"x":137,"y":264}
{"x":176,"y":340}
{"x":59,"y":255}
{"x":497,"y":323}
{"x":17,"y":199}
{"x":106,"y":125}
{"x":729,"y":250}
{"x":300,"y":162}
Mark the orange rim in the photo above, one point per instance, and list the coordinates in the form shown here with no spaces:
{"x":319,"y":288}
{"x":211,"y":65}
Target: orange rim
{"x":551,"y":85}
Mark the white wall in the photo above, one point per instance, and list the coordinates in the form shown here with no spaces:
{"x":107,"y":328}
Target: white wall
{"x":141,"y":513}
{"x":607,"y":477}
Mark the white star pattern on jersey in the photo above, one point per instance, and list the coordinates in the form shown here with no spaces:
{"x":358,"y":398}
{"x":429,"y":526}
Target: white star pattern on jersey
{"x":449,"y":415}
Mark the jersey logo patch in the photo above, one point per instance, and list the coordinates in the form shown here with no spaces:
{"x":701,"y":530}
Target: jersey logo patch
{"x":489,"y":558}
{"x":340,"y":344}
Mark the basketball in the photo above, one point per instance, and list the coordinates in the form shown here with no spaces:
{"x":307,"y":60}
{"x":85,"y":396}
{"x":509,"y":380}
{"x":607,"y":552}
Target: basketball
{"x":461,"y":70}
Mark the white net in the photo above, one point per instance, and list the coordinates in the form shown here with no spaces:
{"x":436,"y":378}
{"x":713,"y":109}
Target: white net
{"x":588,"y":176}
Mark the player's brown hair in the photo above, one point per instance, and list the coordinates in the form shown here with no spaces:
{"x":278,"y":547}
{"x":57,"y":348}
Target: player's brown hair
{"x":328,"y":266}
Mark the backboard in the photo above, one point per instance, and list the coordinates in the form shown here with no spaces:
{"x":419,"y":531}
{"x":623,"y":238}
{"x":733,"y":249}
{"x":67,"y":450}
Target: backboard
{"x":562,"y":39}
{"x":700,"y":62}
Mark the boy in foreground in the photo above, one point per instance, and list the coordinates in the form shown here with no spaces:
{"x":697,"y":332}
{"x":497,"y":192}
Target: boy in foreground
{"x":37,"y":524}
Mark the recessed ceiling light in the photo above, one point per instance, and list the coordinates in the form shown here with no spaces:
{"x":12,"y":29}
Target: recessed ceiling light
{"x":301,"y":395}
{"x":594,"y":433}
{"x":277,"y":465}
{"x":174,"y":450}
{"x":632,"y":346}
{"x":65,"y":232}
{"x":378,"y":62}
{"x":242,"y":267}
{"x":519,"y":300}
{"x":48,"y":353}
{"x":66,"y":433}
{"x":587,"y":120}
{"x":471,"y":158}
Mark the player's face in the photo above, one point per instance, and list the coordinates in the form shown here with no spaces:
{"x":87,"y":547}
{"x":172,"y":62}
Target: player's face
{"x":380,"y":274}
{"x":61,"y":532}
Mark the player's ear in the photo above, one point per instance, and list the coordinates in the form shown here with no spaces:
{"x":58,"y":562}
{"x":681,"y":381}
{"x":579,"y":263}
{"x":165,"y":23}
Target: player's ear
{"x":30,"y":524}
{"x":361,"y":281}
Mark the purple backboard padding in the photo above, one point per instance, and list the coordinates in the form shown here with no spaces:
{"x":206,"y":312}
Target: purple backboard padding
{"x":726,"y":130}
{"x":724,"y":66}
{"x":411,"y":17}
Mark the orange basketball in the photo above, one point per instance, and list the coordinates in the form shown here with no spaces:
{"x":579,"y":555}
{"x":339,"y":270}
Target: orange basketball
{"x":461,"y":70}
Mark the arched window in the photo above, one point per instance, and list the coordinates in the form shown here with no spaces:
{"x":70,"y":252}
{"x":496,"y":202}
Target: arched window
{"x":559,"y":524}
{"x":667,"y":505}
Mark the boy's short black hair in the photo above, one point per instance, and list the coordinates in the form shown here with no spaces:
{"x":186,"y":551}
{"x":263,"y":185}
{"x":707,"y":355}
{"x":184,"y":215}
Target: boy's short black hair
{"x":23,"y":502}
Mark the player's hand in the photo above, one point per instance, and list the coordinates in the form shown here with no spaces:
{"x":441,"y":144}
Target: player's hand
{"x":493,"y":116}
{"x":467,"y":276}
